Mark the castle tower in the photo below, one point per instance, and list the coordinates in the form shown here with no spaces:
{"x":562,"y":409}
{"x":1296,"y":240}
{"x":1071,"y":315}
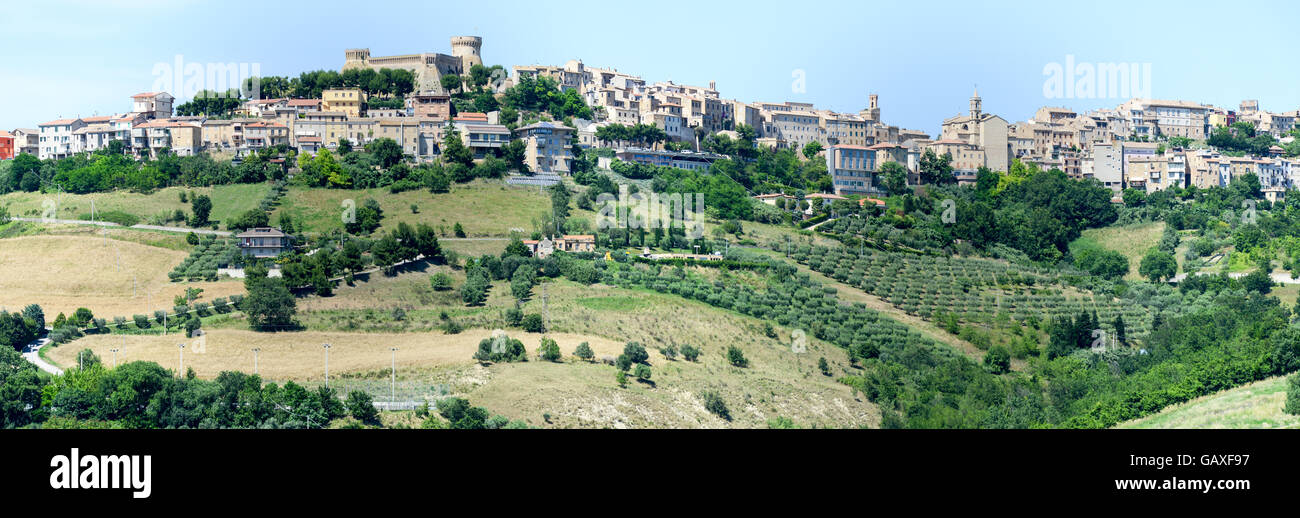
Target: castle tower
{"x":976,"y":105}
{"x":467,"y":49}
{"x":355,"y":58}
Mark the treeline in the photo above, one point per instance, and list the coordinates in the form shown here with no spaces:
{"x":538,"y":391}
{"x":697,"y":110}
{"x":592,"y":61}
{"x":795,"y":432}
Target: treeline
{"x":1241,"y":137}
{"x":308,"y":85}
{"x":108,"y":169}
{"x":19,"y":329}
{"x":543,"y":94}
{"x":382,"y":163}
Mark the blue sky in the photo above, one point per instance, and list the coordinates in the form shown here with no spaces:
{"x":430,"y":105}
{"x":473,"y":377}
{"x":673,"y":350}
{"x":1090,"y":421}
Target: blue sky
{"x":85,"y":57}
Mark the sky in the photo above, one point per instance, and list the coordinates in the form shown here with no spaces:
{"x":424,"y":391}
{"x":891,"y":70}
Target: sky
{"x":80,"y":58}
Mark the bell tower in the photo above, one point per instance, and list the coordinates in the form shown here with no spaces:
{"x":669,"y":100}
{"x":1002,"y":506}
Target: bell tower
{"x":976,"y":105}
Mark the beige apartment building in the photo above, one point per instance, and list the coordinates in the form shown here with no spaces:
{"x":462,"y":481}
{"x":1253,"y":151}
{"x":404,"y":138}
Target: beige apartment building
{"x":346,"y":100}
{"x":548,"y":147}
{"x":966,"y":157}
{"x":1151,"y":118}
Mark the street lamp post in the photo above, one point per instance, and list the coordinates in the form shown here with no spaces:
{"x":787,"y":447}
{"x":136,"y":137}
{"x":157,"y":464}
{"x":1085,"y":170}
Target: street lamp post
{"x":255,"y":371}
{"x":181,"y":371}
{"x":114,"y":358}
{"x":393,"y":391}
{"x":327,"y":365}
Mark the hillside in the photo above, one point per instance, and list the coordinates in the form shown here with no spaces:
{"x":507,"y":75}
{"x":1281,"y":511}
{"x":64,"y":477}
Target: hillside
{"x":111,"y":277}
{"x":1256,"y":405}
{"x":361,"y":325}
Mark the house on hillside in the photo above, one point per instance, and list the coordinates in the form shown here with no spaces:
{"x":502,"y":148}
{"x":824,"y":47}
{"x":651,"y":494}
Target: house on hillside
{"x":264,"y":242}
{"x":543,"y":248}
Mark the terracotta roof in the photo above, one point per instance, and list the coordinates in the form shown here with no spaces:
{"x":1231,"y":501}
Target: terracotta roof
{"x":104,"y":118}
{"x":824,"y":196}
{"x":308,"y":139}
{"x":885,"y":145}
{"x":304,"y":102}
{"x":59,"y":122}
{"x":4,"y":133}
{"x":846,"y":146}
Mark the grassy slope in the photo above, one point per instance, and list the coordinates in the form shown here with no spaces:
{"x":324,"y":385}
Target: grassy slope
{"x":484,"y":208}
{"x":1133,"y":241}
{"x":228,"y":201}
{"x":1256,"y":405}
{"x":778,"y":382}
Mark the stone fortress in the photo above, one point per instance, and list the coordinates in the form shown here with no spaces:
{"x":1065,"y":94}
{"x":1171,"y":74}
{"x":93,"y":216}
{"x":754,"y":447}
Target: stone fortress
{"x":428,"y":67}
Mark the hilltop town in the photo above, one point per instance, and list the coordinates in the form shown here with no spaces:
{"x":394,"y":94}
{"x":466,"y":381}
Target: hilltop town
{"x":1143,"y":144}
{"x":567,"y":246}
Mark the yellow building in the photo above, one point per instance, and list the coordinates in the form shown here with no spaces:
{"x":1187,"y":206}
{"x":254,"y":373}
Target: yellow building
{"x":346,"y":100}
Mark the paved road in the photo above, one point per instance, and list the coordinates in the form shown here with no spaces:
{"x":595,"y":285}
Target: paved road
{"x":1278,"y":277}
{"x":32,"y":353}
{"x":182,"y":230}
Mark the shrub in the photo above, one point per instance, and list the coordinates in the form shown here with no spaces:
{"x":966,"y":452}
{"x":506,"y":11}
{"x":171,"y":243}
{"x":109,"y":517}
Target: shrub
{"x":636,"y":352}
{"x":642,"y":372}
{"x":621,"y":378}
{"x":998,"y":359}
{"x":141,"y":321}
{"x":362,"y":407}
{"x":533,"y":323}
{"x":1293,"y":394}
{"x":690,"y":352}
{"x":514,"y":317}
{"x":549,"y":350}
{"x":501,"y":348}
{"x":715,"y":405}
{"x":736,"y":357}
{"x":440,"y":282}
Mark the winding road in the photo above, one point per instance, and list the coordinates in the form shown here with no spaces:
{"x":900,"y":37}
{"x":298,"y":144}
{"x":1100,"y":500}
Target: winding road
{"x":32,"y":353}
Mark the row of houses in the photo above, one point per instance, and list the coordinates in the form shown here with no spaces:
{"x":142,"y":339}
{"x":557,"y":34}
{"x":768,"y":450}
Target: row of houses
{"x":686,"y":112}
{"x":305,"y":124}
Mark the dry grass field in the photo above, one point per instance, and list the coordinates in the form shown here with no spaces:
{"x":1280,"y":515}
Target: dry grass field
{"x":1256,"y":405}
{"x":300,"y":356}
{"x":574,"y":393}
{"x":66,"y":272}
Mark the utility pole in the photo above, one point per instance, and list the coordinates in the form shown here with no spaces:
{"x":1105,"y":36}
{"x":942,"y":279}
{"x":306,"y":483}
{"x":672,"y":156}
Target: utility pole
{"x":181,"y":371}
{"x":546,"y":310}
{"x":114,"y":358}
{"x":327,"y":365}
{"x":255,"y":371}
{"x":393,"y":392}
